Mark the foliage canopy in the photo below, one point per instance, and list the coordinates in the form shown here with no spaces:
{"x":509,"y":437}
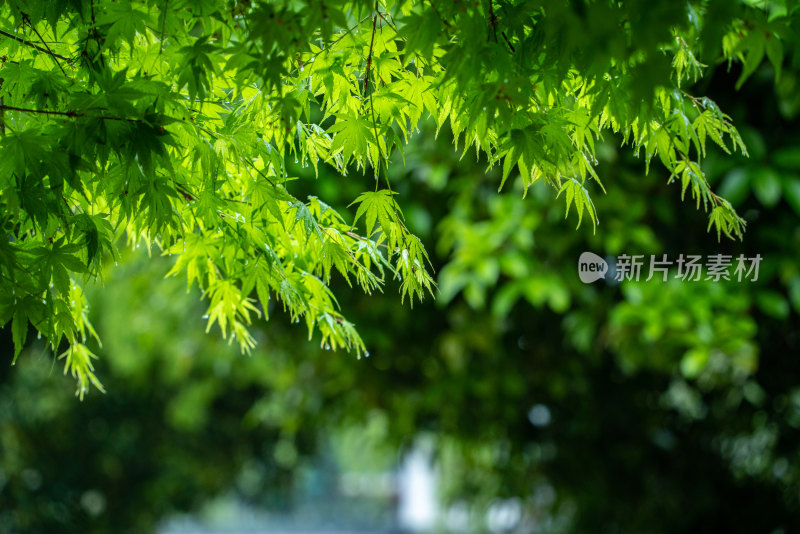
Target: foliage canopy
{"x":174,"y":123}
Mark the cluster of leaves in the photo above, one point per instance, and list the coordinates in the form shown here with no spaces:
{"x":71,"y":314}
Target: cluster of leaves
{"x":681,"y":398}
{"x":172,"y":124}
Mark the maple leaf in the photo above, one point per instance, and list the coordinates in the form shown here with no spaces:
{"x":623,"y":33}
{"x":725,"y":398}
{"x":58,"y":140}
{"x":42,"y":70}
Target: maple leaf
{"x":353,"y":135}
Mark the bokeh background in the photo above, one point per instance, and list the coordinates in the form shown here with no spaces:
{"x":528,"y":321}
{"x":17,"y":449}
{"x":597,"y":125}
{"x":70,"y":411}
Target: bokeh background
{"x":520,"y":400}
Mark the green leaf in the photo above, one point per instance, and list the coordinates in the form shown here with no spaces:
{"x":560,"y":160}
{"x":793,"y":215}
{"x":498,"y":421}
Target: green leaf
{"x":791,"y":192}
{"x":773,"y":304}
{"x":352,"y":137}
{"x":378,"y":207}
{"x":787,"y":158}
{"x":420,"y":32}
{"x":766,"y":186}
{"x":173,"y":125}
{"x":694,"y":361}
{"x":774,"y":49}
{"x":577,"y":194}
{"x":302,"y":214}
{"x":735,"y":186}
{"x":755,"y":54}
{"x":19,"y":331}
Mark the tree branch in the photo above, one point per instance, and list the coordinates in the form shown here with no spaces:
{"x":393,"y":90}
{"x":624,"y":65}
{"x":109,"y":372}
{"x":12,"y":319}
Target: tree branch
{"x":40,"y":111}
{"x":371,"y":47}
{"x":444,"y":21}
{"x":369,"y":95}
{"x":508,"y":42}
{"x":492,"y":21}
{"x":52,"y":55}
{"x":32,"y":45}
{"x":2,"y":115}
{"x":70,"y":113}
{"x":259,"y":171}
{"x":381,"y":157}
{"x":347,"y":32}
{"x":96,"y":35}
{"x":163,"y":27}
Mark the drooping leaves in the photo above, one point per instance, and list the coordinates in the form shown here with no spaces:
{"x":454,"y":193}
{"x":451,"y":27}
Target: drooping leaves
{"x":170,"y":124}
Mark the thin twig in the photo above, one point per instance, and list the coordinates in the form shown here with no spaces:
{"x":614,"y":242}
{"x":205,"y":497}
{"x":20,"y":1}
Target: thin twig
{"x":371,"y":47}
{"x":492,"y":21}
{"x":70,"y":114}
{"x":190,"y":197}
{"x":698,"y":102}
{"x":259,"y":171}
{"x":347,"y":32}
{"x":444,"y":21}
{"x":163,"y":25}
{"x":67,"y":205}
{"x":381,"y":157}
{"x":393,"y":26}
{"x":52,"y":55}
{"x":33,"y":45}
{"x":187,"y":195}
{"x":508,"y":42}
{"x":40,"y":111}
{"x":362,"y":238}
{"x":369,"y":95}
{"x":2,"y":115}
{"x":96,"y":35}
{"x":206,"y":130}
